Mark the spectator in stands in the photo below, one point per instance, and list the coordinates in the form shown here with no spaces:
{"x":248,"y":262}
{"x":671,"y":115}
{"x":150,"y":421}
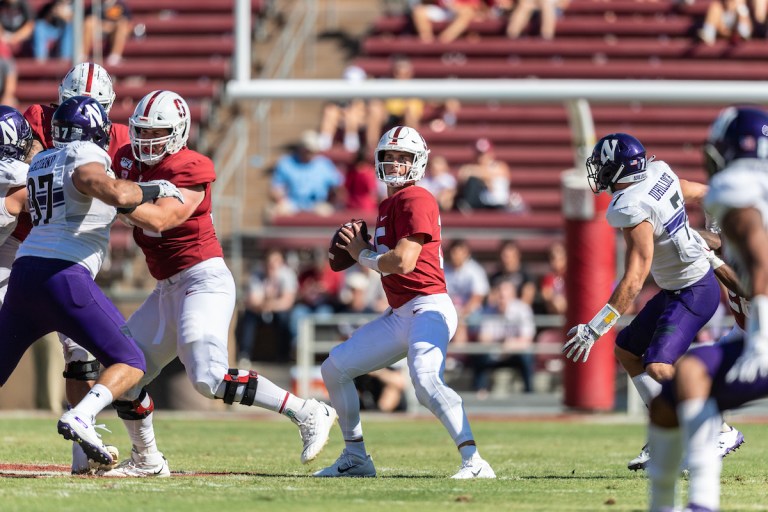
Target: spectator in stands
{"x":485,"y":183}
{"x":511,"y":269}
{"x":515,"y":331}
{"x":361,"y":188}
{"x":115,"y":24}
{"x":347,"y":119}
{"x":468,"y":287}
{"x":441,"y":182}
{"x":269,"y":300}
{"x":304,"y":180}
{"x":319,"y":288}
{"x":459,"y":14}
{"x":553,"y":282}
{"x":18,"y":21}
{"x":53,"y":27}
{"x":730,"y":19}
{"x":549,"y":12}
{"x":395,"y":111}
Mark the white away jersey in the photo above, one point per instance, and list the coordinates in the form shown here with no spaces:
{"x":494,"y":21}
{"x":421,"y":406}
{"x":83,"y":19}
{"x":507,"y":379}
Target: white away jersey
{"x":67,"y":224}
{"x":678,"y":257}
{"x":13,"y":173}
{"x":743,"y":184}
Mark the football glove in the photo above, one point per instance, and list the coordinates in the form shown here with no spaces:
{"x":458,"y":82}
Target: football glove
{"x":582,"y":338}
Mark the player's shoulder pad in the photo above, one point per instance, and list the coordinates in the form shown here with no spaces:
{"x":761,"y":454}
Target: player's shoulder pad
{"x":13,"y":172}
{"x":191,"y":168}
{"x":626,"y":211}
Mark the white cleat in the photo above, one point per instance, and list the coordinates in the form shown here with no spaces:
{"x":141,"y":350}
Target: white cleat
{"x":81,"y":465}
{"x":729,"y":441}
{"x":77,"y":428}
{"x":348,"y":465}
{"x":641,"y":461}
{"x":139,"y":466}
{"x":315,"y":429}
{"x":474,"y":468}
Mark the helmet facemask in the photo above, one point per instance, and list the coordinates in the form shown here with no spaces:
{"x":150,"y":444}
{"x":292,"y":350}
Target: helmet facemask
{"x":158,"y":110}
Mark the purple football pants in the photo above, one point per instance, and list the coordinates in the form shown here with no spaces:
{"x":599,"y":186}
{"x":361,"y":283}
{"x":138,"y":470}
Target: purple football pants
{"x":665,"y":328}
{"x":718,"y":359}
{"x":47,"y":295}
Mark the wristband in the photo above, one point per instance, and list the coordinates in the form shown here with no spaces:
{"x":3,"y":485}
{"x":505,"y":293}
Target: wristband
{"x":370,"y":259}
{"x":714,"y":261}
{"x":148,"y":192}
{"x":604,"y":320}
{"x":126,"y":211}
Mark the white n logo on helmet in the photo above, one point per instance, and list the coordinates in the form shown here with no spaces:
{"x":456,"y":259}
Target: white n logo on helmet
{"x":10,"y":135}
{"x":94,"y":114}
{"x":608,"y":150}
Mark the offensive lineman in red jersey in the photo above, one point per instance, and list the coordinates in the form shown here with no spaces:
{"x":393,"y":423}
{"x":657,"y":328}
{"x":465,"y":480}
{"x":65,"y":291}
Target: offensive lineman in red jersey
{"x":421,"y":319}
{"x":188,"y":313}
{"x":85,"y":79}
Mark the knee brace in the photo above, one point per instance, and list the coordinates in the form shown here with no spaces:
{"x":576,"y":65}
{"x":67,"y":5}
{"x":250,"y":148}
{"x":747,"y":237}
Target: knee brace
{"x":232,"y":380}
{"x":82,"y":370}
{"x":132,"y":409}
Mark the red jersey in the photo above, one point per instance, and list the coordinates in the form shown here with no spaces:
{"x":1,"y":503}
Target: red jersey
{"x":39,"y":118}
{"x":410,"y":211}
{"x":186,"y":245}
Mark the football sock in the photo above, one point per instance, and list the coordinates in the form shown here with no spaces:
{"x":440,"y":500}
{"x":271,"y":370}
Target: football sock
{"x":666,"y":449}
{"x":468,"y":451}
{"x":97,"y":399}
{"x":142,"y":432}
{"x":647,"y":387}
{"x":700,"y":422}
{"x":356,"y":448}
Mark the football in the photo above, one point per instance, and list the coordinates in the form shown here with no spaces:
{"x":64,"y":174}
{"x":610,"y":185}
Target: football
{"x":339,"y":258}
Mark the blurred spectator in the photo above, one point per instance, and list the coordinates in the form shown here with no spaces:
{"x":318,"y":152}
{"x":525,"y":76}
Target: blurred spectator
{"x":553,"y":282}
{"x":18,"y":21}
{"x":446,"y":115}
{"x":459,"y":13}
{"x":361,"y":188}
{"x":515,"y":332}
{"x":485,"y":183}
{"x":53,"y":28}
{"x":345,"y":119}
{"x":361,"y":293}
{"x":549,"y":12}
{"x":115,"y":24}
{"x":395,"y":111}
{"x":730,"y":19}
{"x":304,"y":180}
{"x":468,"y":287}
{"x":440,"y":181}
{"x":511,"y":269}
{"x":269,"y":300}
{"x":319,"y":286}
{"x":382,"y":390}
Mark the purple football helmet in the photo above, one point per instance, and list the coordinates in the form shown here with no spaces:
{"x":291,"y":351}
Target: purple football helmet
{"x":80,"y":118}
{"x":16,"y":133}
{"x":616,"y":158}
{"x":737,"y":132}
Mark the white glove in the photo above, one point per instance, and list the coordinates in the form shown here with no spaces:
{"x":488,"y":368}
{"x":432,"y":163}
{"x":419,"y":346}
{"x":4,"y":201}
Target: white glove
{"x":752,"y":363}
{"x":583,"y":337}
{"x":167,"y":189}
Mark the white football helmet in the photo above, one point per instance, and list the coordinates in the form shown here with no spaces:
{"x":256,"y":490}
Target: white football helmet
{"x":159,"y":109}
{"x":402,"y":138}
{"x":88,"y":79}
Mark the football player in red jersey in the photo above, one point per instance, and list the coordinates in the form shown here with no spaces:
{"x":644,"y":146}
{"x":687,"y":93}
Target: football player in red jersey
{"x":85,"y":79}
{"x":188,"y":313}
{"x":421,"y":318}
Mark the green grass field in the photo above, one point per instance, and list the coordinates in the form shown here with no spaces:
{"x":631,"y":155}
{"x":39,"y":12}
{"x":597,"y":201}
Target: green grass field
{"x":542,"y":465}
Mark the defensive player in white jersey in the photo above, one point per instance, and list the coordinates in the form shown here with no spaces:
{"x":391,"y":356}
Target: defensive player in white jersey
{"x":421,"y":319}
{"x":72,"y":196}
{"x":649,"y":207}
{"x":92,"y":80}
{"x":188,"y":313}
{"x":14,"y":154}
{"x":711,"y":379}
